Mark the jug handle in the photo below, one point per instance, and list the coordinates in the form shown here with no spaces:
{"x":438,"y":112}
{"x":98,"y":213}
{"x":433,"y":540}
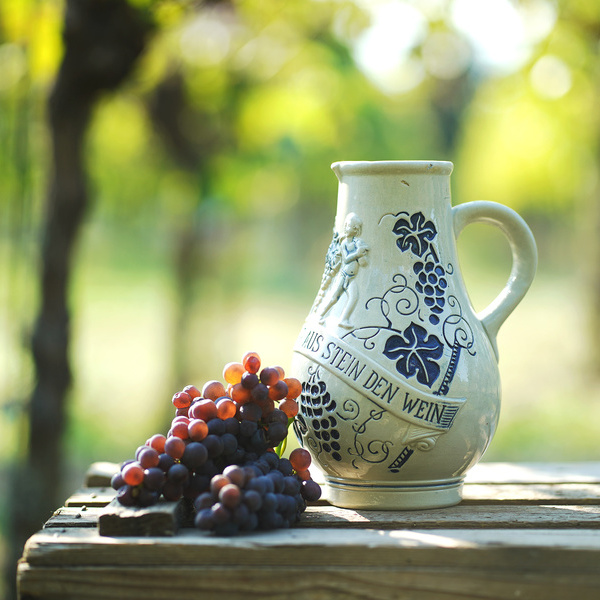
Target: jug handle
{"x":524,"y":258}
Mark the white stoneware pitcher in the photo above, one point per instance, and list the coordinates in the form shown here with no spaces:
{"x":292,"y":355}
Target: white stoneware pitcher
{"x":400,"y":384}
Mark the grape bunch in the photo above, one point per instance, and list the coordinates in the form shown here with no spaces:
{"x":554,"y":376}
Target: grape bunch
{"x":317,"y":411}
{"x":432,"y":283}
{"x":227,"y":437}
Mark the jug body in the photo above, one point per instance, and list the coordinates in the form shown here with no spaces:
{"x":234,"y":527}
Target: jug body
{"x":400,"y":384}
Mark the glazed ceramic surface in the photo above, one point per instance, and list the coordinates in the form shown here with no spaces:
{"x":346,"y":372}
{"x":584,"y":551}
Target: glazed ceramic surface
{"x":401,"y":390}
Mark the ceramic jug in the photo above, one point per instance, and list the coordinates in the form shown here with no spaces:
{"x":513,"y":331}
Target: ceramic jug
{"x":400,"y":383}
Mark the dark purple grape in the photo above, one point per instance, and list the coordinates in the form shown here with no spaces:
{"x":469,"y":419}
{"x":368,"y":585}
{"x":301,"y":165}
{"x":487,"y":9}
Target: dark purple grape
{"x":250,"y":412}
{"x":285,"y":466}
{"x":216,"y":426}
{"x":249,"y":380}
{"x":260,"y":392}
{"x":165,"y":462}
{"x":230,"y":444}
{"x":154,"y":479}
{"x":116,"y":481}
{"x":214,"y":445}
{"x":125,"y":495}
{"x":311,"y":490}
{"x":195,"y":455}
{"x":179,"y":474}
{"x":205,"y":519}
{"x":248,"y":428}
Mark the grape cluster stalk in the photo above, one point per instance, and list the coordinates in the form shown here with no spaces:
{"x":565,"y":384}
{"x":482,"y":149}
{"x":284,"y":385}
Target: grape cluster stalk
{"x":223,"y":454}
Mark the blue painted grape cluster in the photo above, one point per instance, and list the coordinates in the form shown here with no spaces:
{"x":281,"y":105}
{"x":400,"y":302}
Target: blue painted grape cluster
{"x":432,"y":284}
{"x":316,"y":408}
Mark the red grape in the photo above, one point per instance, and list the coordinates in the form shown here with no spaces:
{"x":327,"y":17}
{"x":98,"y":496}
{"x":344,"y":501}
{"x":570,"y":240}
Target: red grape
{"x":133,"y":474}
{"x":300,"y":459}
{"x":213,"y":389}
{"x":181,"y":400}
{"x":197,"y":430}
{"x":233,"y":371}
{"x":294,"y":388}
{"x":251,"y":362}
{"x":174,"y":447}
{"x":289,"y":407}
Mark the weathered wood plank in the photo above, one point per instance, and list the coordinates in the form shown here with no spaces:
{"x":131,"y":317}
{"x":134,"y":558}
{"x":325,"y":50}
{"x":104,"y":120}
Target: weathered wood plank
{"x":535,"y":472}
{"x":74,"y":516}
{"x":314,"y":583}
{"x":164,"y":518}
{"x":91,"y":497}
{"x":457,"y":517}
{"x":539,"y":548}
{"x":531,"y":493}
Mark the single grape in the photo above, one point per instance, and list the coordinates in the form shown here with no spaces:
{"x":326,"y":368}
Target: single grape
{"x":148,"y":458}
{"x":259,"y":393}
{"x":300,"y":459}
{"x":269,"y":376}
{"x":239,"y":394}
{"x":230,"y":496}
{"x":178,"y":473}
{"x":203,"y":409}
{"x":180,"y":430}
{"x":165,"y":462}
{"x":251,"y":362}
{"x":214,"y":445}
{"x":154,"y":479}
{"x":278,"y":391}
{"x":226,"y":408}
{"x":216,"y":426}
{"x":249,"y":380}
{"x":204,"y":500}
{"x":181,"y":400}
{"x":133,"y":474}
{"x":204,"y":519}
{"x":289,"y":407}
{"x":277,"y":432}
{"x":311,"y":490}
{"x":116,"y":481}
{"x":230,"y":444}
{"x":125,"y":496}
{"x":217,"y":482}
{"x":157,"y":441}
{"x":193,"y":391}
{"x":213,"y":389}
{"x":235,"y":474}
{"x":172,"y":491}
{"x":233,"y":371}
{"x":197,"y":430}
{"x":277,"y":416}
{"x":194,"y":456}
{"x":250,"y":412}
{"x":174,"y":447}
{"x":280,"y":371}
{"x":294,"y":387}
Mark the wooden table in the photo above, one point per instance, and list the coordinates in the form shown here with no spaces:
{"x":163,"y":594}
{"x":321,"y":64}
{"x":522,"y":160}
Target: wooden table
{"x":522,"y":531}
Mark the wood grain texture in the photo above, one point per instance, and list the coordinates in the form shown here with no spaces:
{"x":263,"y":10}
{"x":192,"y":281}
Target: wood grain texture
{"x":533,"y":533}
{"x":432,"y":582}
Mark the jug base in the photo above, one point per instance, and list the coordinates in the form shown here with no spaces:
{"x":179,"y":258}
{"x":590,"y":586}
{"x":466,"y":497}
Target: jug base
{"x":383,"y":495}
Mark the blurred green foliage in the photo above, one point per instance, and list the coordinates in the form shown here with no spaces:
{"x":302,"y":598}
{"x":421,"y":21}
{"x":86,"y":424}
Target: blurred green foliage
{"x":202,"y":246}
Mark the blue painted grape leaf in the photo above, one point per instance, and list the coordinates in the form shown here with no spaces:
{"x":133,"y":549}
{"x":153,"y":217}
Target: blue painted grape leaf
{"x":416,"y":354}
{"x":414,"y":233}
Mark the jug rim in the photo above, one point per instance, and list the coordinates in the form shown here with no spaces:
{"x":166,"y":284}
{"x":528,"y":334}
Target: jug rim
{"x":392,"y":167}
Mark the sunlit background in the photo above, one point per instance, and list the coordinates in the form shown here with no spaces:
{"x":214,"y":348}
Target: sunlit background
{"x":213,"y":200}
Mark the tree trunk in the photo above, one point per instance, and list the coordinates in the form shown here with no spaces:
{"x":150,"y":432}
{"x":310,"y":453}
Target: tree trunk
{"x":103,"y":39}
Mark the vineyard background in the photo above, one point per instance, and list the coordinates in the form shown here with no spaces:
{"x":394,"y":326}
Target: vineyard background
{"x":211,"y":199}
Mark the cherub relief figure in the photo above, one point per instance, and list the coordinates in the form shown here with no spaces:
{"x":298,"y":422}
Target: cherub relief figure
{"x":351,"y":256}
